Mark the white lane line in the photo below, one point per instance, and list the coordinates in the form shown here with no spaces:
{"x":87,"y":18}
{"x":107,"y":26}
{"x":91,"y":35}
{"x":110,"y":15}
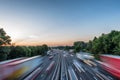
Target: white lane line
{"x":103,"y":76}
{"x":99,"y":76}
{"x":110,"y":77}
{"x":81,"y":78}
{"x":95,"y":78}
{"x":69,"y":74}
{"x":79,"y":66}
{"x":74,"y":75}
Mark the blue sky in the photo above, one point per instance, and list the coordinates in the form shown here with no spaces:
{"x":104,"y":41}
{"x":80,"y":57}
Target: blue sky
{"x":58,"y":22}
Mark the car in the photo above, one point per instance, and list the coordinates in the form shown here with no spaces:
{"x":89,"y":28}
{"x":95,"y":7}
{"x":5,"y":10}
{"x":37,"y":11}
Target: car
{"x":51,"y":57}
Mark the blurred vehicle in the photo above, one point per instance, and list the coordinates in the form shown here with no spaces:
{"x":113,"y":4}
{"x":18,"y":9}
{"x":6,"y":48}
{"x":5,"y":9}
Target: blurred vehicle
{"x":84,"y":56}
{"x":49,"y":53}
{"x":111,"y":63}
{"x":71,"y":51}
{"x":71,"y":55}
{"x":18,"y":69}
{"x":49,"y":68}
{"x":51,"y":57}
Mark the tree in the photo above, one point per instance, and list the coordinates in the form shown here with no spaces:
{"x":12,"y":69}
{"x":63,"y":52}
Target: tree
{"x":38,"y":50}
{"x":67,"y":48}
{"x":19,"y":51}
{"x":42,"y":50}
{"x":4,"y":38}
{"x":89,"y":46}
{"x":80,"y":46}
{"x":104,"y":44}
{"x":33,"y":50}
{"x":4,"y":51}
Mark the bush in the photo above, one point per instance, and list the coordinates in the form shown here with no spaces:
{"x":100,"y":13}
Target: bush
{"x":19,"y":51}
{"x":3,"y":56}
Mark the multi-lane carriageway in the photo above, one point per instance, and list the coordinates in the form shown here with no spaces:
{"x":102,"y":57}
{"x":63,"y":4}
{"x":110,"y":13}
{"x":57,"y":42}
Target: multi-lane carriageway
{"x":60,"y":66}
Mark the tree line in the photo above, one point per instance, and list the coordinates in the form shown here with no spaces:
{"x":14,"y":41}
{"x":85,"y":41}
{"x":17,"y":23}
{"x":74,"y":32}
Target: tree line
{"x":8,"y":51}
{"x":104,"y":44}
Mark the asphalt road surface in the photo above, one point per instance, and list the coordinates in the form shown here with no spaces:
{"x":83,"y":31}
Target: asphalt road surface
{"x":64,"y":66}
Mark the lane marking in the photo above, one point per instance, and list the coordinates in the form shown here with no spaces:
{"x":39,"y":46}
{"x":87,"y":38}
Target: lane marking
{"x":95,"y":78}
{"x":99,"y":76}
{"x":81,"y":78}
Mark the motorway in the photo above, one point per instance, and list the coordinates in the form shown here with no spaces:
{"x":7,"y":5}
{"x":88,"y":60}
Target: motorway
{"x":59,"y":65}
{"x":65,"y":66}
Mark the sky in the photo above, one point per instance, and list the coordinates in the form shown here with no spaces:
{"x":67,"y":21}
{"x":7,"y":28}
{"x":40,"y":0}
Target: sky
{"x":58,"y":22}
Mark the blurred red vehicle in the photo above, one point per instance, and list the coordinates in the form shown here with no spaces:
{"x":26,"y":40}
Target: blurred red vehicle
{"x":111,"y":64}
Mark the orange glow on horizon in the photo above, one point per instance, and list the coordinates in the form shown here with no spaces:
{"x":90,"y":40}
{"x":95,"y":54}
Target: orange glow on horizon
{"x":49,"y":43}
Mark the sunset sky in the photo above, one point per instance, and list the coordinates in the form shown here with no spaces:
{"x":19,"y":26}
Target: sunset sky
{"x":58,"y":22}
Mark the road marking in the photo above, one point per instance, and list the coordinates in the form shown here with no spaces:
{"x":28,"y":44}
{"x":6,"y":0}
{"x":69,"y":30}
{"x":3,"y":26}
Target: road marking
{"x":104,"y":76}
{"x":95,"y":78}
{"x":74,"y":74}
{"x":79,"y":66}
{"x":99,"y":76}
{"x":81,"y":78}
{"x":69,"y":74}
{"x":110,"y":77}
